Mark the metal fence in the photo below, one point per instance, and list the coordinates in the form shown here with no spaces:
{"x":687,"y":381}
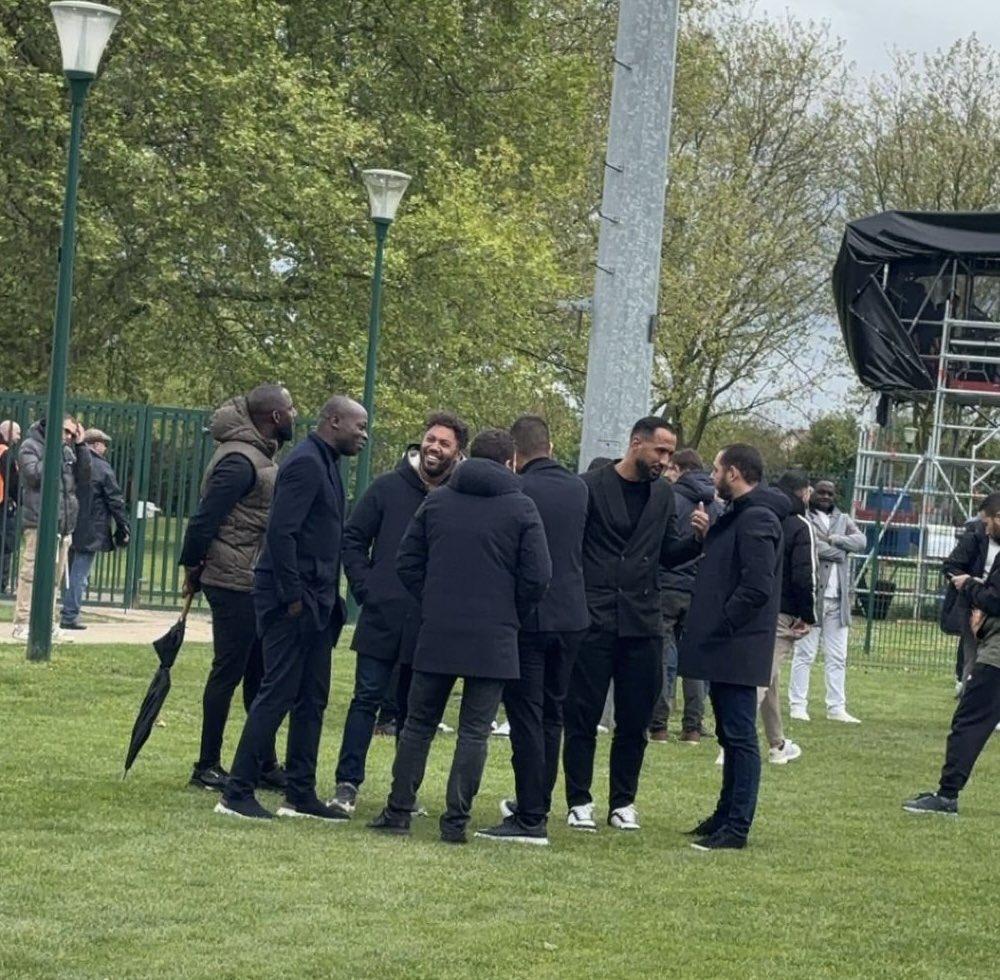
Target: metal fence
{"x":159,"y":455}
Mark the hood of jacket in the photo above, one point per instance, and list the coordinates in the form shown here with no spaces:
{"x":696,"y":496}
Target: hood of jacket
{"x":231,"y":423}
{"x":696,"y":486}
{"x":795,"y":502}
{"x":761,"y":496}
{"x":483,"y":478}
{"x":36,"y":431}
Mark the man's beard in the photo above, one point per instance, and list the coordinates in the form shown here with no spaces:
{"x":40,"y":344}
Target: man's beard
{"x":435,"y":466}
{"x":648,"y":471}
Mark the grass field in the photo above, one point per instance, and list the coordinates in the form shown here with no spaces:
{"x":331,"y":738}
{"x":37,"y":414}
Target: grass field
{"x":101,"y":878}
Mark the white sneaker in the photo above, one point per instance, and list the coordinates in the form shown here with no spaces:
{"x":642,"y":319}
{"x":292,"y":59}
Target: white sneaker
{"x":582,"y":818}
{"x":20,"y":632}
{"x":624,"y":818}
{"x":841,"y":715}
{"x":502,"y":730}
{"x":997,"y":729}
{"x":786,"y":752}
{"x":508,"y":808}
{"x":958,"y":688}
{"x":720,"y":759}
{"x":603,"y":729}
{"x":798,"y":714}
{"x":442,"y":727}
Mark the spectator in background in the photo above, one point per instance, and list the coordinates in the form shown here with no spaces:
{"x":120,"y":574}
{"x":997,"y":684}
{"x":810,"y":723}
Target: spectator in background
{"x":76,"y":459}
{"x":10,"y":436}
{"x":837,"y":536}
{"x":101,"y":501}
{"x":692,"y":486}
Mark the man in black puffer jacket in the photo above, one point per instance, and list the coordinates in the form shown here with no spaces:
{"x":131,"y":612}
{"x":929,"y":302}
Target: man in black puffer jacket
{"x":798,"y":607}
{"x":476,"y":557}
{"x":390,"y":616}
{"x":101,"y":501}
{"x":692,"y":486}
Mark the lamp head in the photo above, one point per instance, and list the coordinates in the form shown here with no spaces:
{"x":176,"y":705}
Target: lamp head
{"x":84,"y":30}
{"x":385,"y":190}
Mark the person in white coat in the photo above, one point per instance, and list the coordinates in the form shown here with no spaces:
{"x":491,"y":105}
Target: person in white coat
{"x":836,"y":537}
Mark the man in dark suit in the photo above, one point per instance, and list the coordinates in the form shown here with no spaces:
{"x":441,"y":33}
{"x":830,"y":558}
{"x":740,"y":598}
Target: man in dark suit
{"x":549,"y":637}
{"x":299,"y":615}
{"x":476,"y":558}
{"x":631,"y":531}
{"x":729,"y":640}
{"x":390,"y":617}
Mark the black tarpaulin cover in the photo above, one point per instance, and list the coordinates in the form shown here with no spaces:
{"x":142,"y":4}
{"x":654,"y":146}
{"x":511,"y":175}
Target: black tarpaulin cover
{"x":883,"y":356}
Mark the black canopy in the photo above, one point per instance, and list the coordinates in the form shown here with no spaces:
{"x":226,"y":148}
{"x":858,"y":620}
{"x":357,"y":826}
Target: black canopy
{"x":877,"y":340}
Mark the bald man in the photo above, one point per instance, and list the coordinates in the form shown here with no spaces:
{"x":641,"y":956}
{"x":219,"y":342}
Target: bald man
{"x":299,"y":615}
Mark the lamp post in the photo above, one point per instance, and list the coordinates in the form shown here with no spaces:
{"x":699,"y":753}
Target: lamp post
{"x":84,"y":30}
{"x":385,"y":190}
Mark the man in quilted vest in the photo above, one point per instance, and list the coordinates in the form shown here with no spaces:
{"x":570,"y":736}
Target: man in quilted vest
{"x":221,"y":545}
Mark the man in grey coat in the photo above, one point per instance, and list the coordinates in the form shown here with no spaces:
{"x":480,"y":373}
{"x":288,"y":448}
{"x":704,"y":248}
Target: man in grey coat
{"x":837,"y":536}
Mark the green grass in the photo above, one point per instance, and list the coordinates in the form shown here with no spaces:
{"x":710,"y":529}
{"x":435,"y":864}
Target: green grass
{"x":136,"y":879}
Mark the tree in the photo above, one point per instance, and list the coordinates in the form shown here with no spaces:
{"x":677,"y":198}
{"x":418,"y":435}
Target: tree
{"x":747,"y":244}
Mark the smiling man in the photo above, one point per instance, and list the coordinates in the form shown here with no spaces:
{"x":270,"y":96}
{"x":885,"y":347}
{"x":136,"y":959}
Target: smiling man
{"x":390,"y":616}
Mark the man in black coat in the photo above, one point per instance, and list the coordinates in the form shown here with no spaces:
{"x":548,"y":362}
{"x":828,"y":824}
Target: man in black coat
{"x":968,"y":557}
{"x":548,"y":640}
{"x":101,"y":501}
{"x":631,"y":531}
{"x":299,"y":615}
{"x":10,"y":436}
{"x":797,"y":611}
{"x":476,"y":558}
{"x":729,"y":639}
{"x":390,"y":616}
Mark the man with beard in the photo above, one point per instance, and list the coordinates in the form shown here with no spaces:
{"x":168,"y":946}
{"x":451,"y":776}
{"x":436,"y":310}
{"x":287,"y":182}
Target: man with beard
{"x":836,"y":536}
{"x":299,"y":615}
{"x":631,"y":531}
{"x":221,"y":544}
{"x":475,"y":556}
{"x":977,"y":715}
{"x":692,"y":486}
{"x":390,"y":616}
{"x":729,"y":640}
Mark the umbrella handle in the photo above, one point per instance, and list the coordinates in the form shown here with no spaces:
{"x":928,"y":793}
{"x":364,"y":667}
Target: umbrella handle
{"x":187,"y":606}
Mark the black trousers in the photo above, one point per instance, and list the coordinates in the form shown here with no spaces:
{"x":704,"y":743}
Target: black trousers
{"x":975,"y":718}
{"x":428,"y":698}
{"x":635,"y":663}
{"x":236,"y":657}
{"x":534,"y":705}
{"x":372,"y":682}
{"x":296,"y":681}
{"x":736,"y":728}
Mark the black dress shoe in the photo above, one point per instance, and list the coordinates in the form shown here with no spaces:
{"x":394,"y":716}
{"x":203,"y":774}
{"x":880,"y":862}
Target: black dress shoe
{"x":387,"y":823}
{"x":706,"y":828}
{"x":72,"y":626}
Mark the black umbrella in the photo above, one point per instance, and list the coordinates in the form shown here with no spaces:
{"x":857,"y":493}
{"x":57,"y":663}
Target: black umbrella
{"x":167,"y":647}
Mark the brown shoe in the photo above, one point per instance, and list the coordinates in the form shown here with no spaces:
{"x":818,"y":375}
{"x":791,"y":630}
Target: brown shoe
{"x":662,"y":735}
{"x":692,"y":737}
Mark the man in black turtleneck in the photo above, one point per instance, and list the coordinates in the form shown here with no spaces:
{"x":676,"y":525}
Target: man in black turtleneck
{"x":390,"y":616}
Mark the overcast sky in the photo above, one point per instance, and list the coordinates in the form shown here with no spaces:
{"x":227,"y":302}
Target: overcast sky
{"x":872,"y":28}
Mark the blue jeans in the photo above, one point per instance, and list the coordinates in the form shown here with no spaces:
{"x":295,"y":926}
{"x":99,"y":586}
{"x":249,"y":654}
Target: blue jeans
{"x":372,"y":678}
{"x":79,"y":573}
{"x":736,"y":729}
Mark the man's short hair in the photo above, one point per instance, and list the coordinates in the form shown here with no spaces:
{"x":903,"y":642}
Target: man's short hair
{"x":991,"y":505}
{"x":531,"y":436}
{"x":687,"y":460}
{"x":495,"y":444}
{"x":598,"y":463}
{"x":793,"y":481}
{"x":265,"y":399}
{"x":646,"y":427}
{"x":744,"y":458}
{"x":449,"y":420}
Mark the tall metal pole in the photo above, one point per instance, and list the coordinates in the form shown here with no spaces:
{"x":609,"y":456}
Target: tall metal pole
{"x":371,"y":364}
{"x":627,"y":285}
{"x":43,"y":591}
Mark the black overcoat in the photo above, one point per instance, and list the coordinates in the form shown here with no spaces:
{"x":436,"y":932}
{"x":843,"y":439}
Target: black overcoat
{"x":561,"y":499}
{"x":101,"y":501}
{"x":620,"y":565}
{"x":968,"y":557}
{"x":476,"y":558}
{"x":301,"y":556}
{"x":729,"y":632}
{"x":390,"y":616}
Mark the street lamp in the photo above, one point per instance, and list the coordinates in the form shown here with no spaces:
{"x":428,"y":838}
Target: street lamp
{"x":385,"y":190}
{"x":84,"y":30}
